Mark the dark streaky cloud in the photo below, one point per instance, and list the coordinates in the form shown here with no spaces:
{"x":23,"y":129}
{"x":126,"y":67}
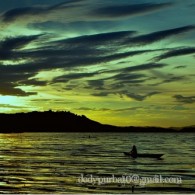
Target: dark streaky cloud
{"x":144,"y":67}
{"x":17,"y":42}
{"x":177,"y":52}
{"x":101,"y":38}
{"x":73,"y":76}
{"x":96,"y":84}
{"x":183,"y":99}
{"x":180,"y":67}
{"x":21,"y":12}
{"x":128,"y":10}
{"x":159,"y":35}
{"x":138,"y":97}
{"x":10,"y":89}
{"x":102,"y":93}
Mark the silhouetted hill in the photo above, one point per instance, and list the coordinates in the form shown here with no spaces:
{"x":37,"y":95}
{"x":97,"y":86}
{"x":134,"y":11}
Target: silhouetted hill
{"x":188,"y":129}
{"x":50,"y":121}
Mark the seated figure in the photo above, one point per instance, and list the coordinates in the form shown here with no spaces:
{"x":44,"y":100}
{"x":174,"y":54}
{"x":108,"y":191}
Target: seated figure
{"x":134,"y":152}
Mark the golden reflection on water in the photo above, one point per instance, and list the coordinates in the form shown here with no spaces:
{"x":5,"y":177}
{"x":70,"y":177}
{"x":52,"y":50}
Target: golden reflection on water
{"x":52,"y":163}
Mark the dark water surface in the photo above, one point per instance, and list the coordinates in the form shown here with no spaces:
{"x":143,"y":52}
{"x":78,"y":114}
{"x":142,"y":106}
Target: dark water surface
{"x":62,"y":163}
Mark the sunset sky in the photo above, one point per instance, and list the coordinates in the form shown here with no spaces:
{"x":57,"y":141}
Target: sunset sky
{"x":127,"y":62}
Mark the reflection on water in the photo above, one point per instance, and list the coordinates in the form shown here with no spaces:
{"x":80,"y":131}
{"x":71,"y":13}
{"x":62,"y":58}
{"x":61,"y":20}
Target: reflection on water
{"x":54,"y":162}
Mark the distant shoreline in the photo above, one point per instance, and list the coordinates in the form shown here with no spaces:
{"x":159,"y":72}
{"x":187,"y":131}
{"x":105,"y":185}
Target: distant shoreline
{"x":49,"y":121}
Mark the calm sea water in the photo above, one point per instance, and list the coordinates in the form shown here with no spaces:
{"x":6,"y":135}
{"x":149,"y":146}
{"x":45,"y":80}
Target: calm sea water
{"x":73,"y":162}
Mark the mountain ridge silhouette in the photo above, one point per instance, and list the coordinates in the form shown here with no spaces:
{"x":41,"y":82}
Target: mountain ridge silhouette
{"x":65,"y":121}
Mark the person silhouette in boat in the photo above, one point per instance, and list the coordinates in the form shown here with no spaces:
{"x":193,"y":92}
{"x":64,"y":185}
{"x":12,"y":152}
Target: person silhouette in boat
{"x":134,"y":152}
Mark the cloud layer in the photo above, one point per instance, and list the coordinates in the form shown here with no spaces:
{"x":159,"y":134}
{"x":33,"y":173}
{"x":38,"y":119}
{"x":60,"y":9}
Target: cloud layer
{"x":101,"y":56}
{"x":81,"y":51}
